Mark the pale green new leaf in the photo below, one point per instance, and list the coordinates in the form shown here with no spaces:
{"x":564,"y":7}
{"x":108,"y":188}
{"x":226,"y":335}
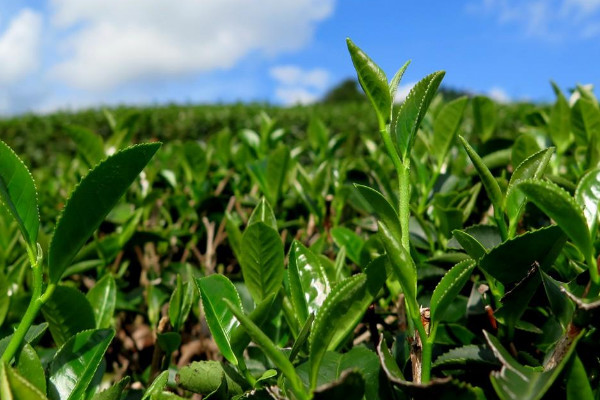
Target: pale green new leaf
{"x":91,"y":201}
{"x":448,"y":288}
{"x":484,"y":117}
{"x":446,"y":126}
{"x":103,"y":298}
{"x":14,"y":387}
{"x":587,"y":196}
{"x":263,"y":213}
{"x":18,"y":194}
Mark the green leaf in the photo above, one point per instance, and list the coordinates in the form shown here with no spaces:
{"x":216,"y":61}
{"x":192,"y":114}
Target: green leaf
{"x":103,"y":298}
{"x":350,"y":386}
{"x":446,"y":126}
{"x":234,"y":236}
{"x":75,"y":364}
{"x":561,"y":306}
{"x":524,"y":147}
{"x":585,"y":121}
{"x":344,"y":237}
{"x":389,"y":365}
{"x":563,"y":209}
{"x":384,"y":211}
{"x":66,"y":320}
{"x":89,"y":144}
{"x":560,"y":122}
{"x":448,"y":288}
{"x":239,"y":338}
{"x":471,"y":354}
{"x":489,"y":182}
{"x":532,"y":167}
{"x":403,"y":266}
{"x":471,"y":245}
{"x":302,"y":337}
{"x":374,"y":83}
{"x":180,"y":303}
{"x":342,"y":310}
{"x":14,"y":387}
{"x":484,"y":118}
{"x":512,"y":260}
{"x":214,"y":289}
{"x":517,"y":381}
{"x":270,"y":173}
{"x":587,"y":197}
{"x":578,"y":383}
{"x":34,"y":333}
{"x":18,"y":194}
{"x":413,"y":111}
{"x":206,"y":377}
{"x":114,"y":392}
{"x":309,"y":285}
{"x":270,"y":350}
{"x":29,"y":366}
{"x":157,"y":385}
{"x":263,"y":213}
{"x":91,"y":201}
{"x":262,"y":260}
{"x":396,"y":79}
{"x":487,"y":236}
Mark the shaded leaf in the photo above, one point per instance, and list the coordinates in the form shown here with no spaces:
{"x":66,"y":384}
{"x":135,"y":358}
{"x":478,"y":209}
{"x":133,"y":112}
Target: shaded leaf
{"x":448,"y":288}
{"x":64,"y":319}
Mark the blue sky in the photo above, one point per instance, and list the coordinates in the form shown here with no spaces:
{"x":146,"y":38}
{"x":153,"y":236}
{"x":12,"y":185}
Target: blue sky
{"x":71,"y":54}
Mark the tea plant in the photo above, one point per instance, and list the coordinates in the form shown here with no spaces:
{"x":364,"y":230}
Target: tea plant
{"x":431,"y":249}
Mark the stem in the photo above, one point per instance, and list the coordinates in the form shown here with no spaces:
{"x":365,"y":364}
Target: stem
{"x":37,"y":301}
{"x":242,"y":367}
{"x":404,"y":202}
{"x":426,"y":360}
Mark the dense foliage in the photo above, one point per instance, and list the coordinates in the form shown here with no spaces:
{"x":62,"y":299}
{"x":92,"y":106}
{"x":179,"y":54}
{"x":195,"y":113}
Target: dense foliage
{"x":441,"y":248}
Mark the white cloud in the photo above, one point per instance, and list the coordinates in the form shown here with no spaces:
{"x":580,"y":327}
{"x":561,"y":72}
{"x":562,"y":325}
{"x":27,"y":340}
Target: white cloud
{"x":403,"y":91}
{"x":19,"y":47}
{"x":295,"y":95}
{"x":544,"y":19}
{"x":291,"y":75}
{"x":499,"y":95}
{"x":111,"y":42}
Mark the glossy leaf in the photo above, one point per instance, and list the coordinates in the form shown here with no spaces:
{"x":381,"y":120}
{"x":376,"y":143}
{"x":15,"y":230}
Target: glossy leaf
{"x":157,"y":385}
{"x":114,"y":392}
{"x":64,"y":319}
{"x":489,"y":182}
{"x":484,"y":117}
{"x":206,"y":377}
{"x":448,"y":288}
{"x":75,"y":364}
{"x":446,"y":126}
{"x":403,"y":266}
{"x":353,"y":243}
{"x":262,"y":260}
{"x":515,"y":379}
{"x":91,"y":201}
{"x":578,"y":383}
{"x":18,"y":194}
{"x":14,"y":387}
{"x":373,"y":81}
{"x":389,"y":365}
{"x":309,"y":285}
{"x":29,"y":366}
{"x":89,"y":144}
{"x":239,"y":337}
{"x":270,"y":350}
{"x":384,"y":211}
{"x":562,"y":208}
{"x":413,"y":111}
{"x":103,"y":298}
{"x":525,"y":146}
{"x":512,"y":260}
{"x":587,"y":197}
{"x":561,"y":306}
{"x":487,"y":236}
{"x":214,"y":289}
{"x":471,"y":246}
{"x":585,"y":121}
{"x":342,"y":310}
{"x":396,"y":79}
{"x":263,"y":213}
{"x":532,"y":167}
{"x":466,"y":355}
{"x":302,"y":337}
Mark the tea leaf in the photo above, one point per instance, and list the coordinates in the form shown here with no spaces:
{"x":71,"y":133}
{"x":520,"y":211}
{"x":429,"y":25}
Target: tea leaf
{"x":518,"y":381}
{"x":103,"y":297}
{"x":30,"y":367}
{"x":239,"y":339}
{"x":563,"y":209}
{"x":384,"y":211}
{"x":389,"y":365}
{"x":524,"y":147}
{"x":309,"y":285}
{"x":489,"y":182}
{"x":374,"y":83}
{"x":75,"y":364}
{"x":560,"y":122}
{"x":471,"y":246}
{"x":157,"y":385}
{"x":64,"y":319}
{"x":562,"y":307}
{"x":587,"y":197}
{"x":270,"y":350}
{"x":446,"y":126}
{"x":342,"y":310}
{"x":114,"y":392}
{"x":350,"y":386}
{"x":89,"y":144}
{"x":263,"y":213}
{"x":413,"y":111}
{"x":484,"y":117}
{"x":262,"y":260}
{"x":469,"y":354}
{"x":18,"y":194}
{"x":180,"y":303}
{"x":396,"y":79}
{"x":448,"y":288}
{"x":353,"y":243}
{"x":91,"y":201}
{"x":214,"y":290}
{"x":14,"y":387}
{"x":578,"y":384}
